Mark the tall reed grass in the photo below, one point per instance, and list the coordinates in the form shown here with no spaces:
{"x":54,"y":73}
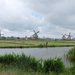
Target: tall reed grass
{"x":72,"y":69}
{"x":71,"y":54}
{"x":27,"y":62}
{"x":54,"y":65}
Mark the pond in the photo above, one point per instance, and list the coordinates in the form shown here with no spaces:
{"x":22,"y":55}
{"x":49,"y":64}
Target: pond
{"x":44,"y":53}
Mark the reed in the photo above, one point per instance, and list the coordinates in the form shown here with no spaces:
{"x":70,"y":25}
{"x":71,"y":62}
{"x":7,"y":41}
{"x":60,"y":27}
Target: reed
{"x":20,"y":64}
{"x":21,"y":61}
{"x":27,"y":62}
{"x":72,"y":69}
{"x":53,"y":65}
{"x":71,"y":54}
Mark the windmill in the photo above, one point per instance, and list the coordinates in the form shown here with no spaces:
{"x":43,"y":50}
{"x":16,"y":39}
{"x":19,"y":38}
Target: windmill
{"x":63,"y":36}
{"x":35,"y":34}
{"x":1,"y":34}
{"x":69,"y":36}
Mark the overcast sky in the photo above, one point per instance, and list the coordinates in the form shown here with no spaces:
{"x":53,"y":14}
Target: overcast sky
{"x":51,"y":17}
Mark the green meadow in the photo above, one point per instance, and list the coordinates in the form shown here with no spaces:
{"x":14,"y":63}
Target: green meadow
{"x":35,"y":43}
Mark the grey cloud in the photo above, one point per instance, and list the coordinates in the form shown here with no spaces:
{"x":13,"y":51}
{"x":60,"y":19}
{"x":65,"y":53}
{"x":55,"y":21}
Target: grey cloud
{"x":56,"y":12}
{"x":15,"y":15}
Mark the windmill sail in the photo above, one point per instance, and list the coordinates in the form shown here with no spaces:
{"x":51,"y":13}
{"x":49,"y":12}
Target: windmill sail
{"x":0,"y":34}
{"x":69,"y":36}
{"x":35,"y":35}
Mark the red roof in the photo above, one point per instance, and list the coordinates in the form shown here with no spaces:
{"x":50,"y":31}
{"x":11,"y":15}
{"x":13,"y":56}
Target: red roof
{"x":33,"y":38}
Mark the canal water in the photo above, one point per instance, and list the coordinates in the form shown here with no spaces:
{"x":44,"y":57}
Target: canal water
{"x":44,"y":53}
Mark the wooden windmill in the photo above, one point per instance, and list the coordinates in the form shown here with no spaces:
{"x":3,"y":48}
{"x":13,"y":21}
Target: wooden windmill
{"x":35,"y":35}
{"x":63,"y":36}
{"x":69,"y":36}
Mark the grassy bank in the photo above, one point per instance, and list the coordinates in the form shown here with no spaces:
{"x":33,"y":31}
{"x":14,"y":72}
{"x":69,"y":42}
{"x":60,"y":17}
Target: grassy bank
{"x":71,"y":54}
{"x":27,"y":62}
{"x":35,"y":43}
{"x":71,"y":57}
{"x":12,"y":64}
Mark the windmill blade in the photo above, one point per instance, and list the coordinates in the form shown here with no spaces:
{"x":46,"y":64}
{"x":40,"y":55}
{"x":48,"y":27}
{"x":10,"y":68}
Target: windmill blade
{"x":66,"y":35}
{"x":38,"y":32}
{"x":69,"y":33}
{"x":34,"y":31}
{"x":63,"y":34}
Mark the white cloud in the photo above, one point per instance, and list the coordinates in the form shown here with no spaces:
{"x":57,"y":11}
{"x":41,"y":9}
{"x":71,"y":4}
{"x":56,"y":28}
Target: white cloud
{"x":52,"y":18}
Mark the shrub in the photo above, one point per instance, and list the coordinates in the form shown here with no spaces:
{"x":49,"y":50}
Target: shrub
{"x":27,"y":62}
{"x":72,"y":69}
{"x":71,"y":54}
{"x":53,"y":65}
{"x":40,"y":45}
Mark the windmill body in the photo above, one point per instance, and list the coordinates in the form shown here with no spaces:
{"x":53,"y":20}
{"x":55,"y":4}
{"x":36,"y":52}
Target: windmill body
{"x":35,"y":34}
{"x":69,"y":36}
{"x":63,"y":36}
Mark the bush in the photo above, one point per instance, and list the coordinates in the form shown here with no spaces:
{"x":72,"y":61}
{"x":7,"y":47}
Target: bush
{"x":40,"y":45}
{"x":21,"y":61}
{"x":53,"y":65}
{"x":27,"y":62}
{"x":71,"y":54}
{"x":72,"y":69}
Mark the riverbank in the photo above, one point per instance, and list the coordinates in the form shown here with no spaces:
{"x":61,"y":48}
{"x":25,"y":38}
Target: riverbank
{"x":22,"y":62}
{"x":71,"y":55}
{"x":26,"y":65}
{"x":35,"y":43}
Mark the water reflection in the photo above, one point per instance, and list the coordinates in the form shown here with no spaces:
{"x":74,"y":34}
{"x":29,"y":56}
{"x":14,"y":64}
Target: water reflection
{"x":44,"y":53}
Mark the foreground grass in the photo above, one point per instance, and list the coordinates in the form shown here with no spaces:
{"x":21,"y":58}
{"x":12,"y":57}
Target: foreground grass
{"x":71,"y":55}
{"x":35,"y":43}
{"x":27,"y":62}
{"x":15,"y":71}
{"x":12,"y":64}
{"x":24,"y":72}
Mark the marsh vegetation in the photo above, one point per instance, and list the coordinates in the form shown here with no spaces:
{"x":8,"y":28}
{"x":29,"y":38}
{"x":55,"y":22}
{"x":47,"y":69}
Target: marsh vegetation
{"x":71,"y":54}
{"x":23,"y":62}
{"x":16,"y":64}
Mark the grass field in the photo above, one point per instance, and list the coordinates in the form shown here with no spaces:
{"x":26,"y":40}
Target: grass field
{"x":34,"y":43}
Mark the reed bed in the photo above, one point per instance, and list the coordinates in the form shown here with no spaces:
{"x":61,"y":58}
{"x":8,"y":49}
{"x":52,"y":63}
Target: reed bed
{"x":71,"y":54}
{"x":27,"y":62}
{"x":15,"y":64}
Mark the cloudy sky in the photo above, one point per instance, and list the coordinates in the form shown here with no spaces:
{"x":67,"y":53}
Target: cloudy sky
{"x":51,"y":17}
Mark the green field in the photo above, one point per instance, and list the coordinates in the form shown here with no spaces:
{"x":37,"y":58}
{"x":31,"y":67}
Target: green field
{"x":35,"y":43}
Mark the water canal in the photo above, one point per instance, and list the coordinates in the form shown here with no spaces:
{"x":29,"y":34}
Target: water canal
{"x":44,"y":53}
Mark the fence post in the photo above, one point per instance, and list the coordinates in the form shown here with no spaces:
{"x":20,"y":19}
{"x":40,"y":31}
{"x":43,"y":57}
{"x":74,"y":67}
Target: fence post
{"x":46,"y":44}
